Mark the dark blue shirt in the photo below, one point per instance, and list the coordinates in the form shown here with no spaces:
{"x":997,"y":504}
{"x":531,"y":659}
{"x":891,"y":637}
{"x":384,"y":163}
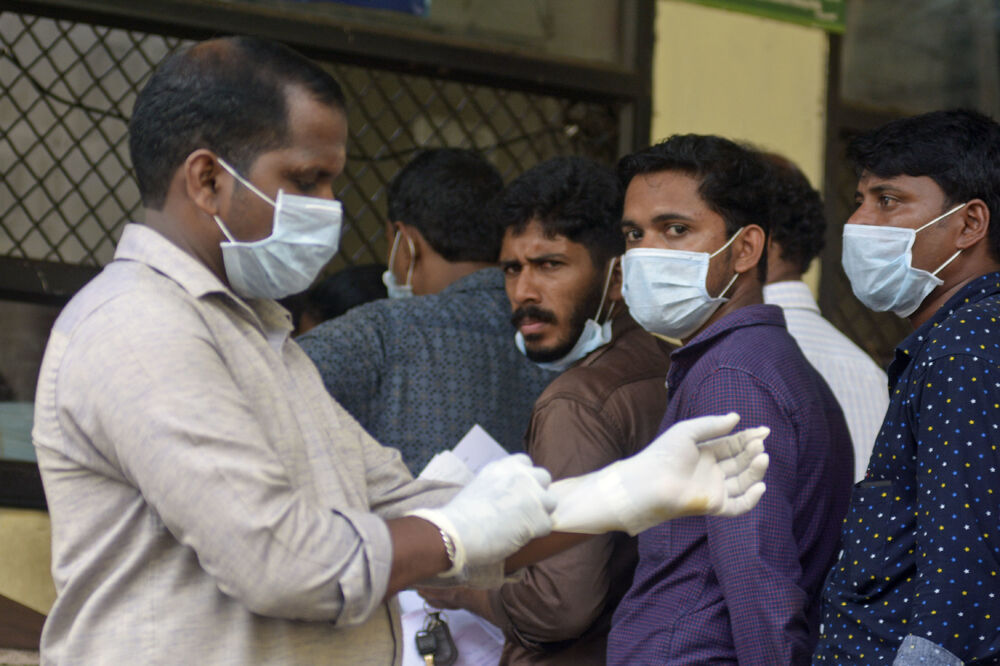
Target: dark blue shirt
{"x":921,"y":544}
{"x":721,"y":590}
{"x":417,"y":373}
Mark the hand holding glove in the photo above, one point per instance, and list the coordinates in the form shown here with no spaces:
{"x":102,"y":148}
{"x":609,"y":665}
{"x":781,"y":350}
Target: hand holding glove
{"x":694,"y":468}
{"x":503,"y":508}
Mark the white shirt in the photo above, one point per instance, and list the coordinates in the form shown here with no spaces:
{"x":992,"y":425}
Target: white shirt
{"x":861,"y":388}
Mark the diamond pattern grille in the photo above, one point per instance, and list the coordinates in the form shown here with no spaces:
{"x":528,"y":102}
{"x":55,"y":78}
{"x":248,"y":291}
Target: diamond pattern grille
{"x":67,"y":88}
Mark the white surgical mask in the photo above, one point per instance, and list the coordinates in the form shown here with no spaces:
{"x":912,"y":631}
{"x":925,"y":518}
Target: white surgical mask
{"x":392,"y":286}
{"x":878,"y":262}
{"x":594,"y":335}
{"x":666,"y":292}
{"x":304,"y":236}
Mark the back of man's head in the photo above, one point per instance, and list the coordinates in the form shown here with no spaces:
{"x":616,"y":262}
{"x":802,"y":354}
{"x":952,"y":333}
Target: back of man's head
{"x":732,"y":177}
{"x":227,"y":95}
{"x":443,"y":193}
{"x":567,"y":196}
{"x":959,"y":150}
{"x":798,"y":223}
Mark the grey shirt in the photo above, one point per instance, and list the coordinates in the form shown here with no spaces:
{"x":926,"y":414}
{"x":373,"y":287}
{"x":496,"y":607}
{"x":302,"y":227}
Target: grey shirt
{"x":209,"y":502}
{"x":417,"y":373}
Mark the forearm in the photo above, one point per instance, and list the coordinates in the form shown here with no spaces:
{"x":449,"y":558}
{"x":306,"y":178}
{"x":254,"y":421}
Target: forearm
{"x":418,"y":553}
{"x":543,"y":548}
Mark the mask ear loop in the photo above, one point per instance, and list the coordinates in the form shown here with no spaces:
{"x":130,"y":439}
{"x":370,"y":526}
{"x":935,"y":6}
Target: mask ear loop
{"x":941,"y":217}
{"x":245,"y":183}
{"x":735,"y":275}
{"x":413,"y":261}
{"x":604,"y":293}
{"x":413,"y":253}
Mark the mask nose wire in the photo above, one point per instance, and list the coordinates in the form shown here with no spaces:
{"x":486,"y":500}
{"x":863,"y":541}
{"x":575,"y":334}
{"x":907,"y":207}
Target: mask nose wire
{"x":246,"y":183}
{"x":604,"y":293}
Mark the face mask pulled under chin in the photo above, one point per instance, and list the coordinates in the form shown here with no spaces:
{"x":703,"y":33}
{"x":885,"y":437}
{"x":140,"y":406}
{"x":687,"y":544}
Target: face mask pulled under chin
{"x":592,"y":336}
{"x":304,"y":237}
{"x":878,"y":262}
{"x":392,"y":286}
{"x":665,"y":290}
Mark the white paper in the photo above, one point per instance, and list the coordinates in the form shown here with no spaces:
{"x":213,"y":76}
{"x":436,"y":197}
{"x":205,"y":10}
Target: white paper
{"x":477,"y":449}
{"x":479,"y":643}
{"x":446,"y":466}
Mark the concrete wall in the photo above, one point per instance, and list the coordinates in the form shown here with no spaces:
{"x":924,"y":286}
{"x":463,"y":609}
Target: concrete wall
{"x":743,"y":77}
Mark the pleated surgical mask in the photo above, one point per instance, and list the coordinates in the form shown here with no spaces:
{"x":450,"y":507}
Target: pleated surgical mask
{"x":878,"y":262}
{"x":666,"y":292}
{"x":304,"y":237}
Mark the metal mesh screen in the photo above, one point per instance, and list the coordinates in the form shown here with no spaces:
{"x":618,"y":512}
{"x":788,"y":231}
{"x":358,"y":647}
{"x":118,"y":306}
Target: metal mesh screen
{"x":876,"y":332}
{"x":67,"y":88}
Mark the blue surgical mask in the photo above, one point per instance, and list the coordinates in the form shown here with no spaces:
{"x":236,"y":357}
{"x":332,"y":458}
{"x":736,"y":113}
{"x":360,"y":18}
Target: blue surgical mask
{"x":594,"y":335}
{"x":878,"y":262}
{"x":304,"y":237}
{"x":392,"y":286}
{"x":665,"y":290}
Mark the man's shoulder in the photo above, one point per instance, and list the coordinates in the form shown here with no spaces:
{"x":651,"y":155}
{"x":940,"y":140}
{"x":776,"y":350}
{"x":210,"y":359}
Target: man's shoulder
{"x":129,"y":296}
{"x":632,"y":361}
{"x":972,"y":329}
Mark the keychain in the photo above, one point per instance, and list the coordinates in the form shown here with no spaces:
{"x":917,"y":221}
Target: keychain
{"x":434,"y":642}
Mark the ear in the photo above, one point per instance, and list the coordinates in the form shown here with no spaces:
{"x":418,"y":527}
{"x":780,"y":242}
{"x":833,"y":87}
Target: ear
{"x":207,"y":184}
{"x":615,"y":286}
{"x":975,"y":224}
{"x":748,"y":248}
{"x":412,"y":241}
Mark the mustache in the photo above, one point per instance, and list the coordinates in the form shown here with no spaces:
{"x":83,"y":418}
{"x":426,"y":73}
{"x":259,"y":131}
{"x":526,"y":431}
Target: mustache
{"x":534,"y":312}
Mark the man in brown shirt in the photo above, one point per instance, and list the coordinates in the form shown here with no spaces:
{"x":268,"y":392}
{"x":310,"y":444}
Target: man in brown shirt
{"x":559,"y":257}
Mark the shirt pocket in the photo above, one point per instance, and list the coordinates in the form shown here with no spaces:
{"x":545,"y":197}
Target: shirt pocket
{"x":858,"y":573}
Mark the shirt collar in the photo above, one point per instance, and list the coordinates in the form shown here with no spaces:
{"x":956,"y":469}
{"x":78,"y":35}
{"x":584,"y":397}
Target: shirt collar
{"x":976,"y":290}
{"x":147,"y":246}
{"x":790,"y":294}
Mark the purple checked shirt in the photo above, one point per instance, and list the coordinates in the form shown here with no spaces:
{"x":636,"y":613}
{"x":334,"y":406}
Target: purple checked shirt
{"x":725,"y":590}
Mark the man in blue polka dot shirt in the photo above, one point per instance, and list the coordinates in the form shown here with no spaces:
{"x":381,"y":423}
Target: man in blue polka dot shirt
{"x":920,"y":565}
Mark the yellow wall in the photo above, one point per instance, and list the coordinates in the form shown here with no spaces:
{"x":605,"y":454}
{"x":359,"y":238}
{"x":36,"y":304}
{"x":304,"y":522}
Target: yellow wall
{"x":743,"y":77}
{"x":25,"y":555}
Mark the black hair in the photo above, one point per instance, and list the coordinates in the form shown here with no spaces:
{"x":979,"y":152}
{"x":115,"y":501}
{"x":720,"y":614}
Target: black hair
{"x":957,"y":149}
{"x":568,"y":196}
{"x":733,"y":177}
{"x":227,"y":95}
{"x":347,"y":288}
{"x":798,"y":223}
{"x":444,"y":193}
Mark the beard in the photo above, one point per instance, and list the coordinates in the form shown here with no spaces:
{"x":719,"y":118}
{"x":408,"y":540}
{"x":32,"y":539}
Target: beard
{"x":584,"y":310}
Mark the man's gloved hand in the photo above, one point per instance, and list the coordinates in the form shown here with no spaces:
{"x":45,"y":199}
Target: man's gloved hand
{"x":504,"y":507}
{"x":691,"y":469}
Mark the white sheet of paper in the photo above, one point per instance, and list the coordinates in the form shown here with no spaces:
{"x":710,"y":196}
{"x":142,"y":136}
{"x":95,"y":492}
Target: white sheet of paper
{"x":446,"y":466}
{"x":477,"y":449}
{"x":479,"y":643}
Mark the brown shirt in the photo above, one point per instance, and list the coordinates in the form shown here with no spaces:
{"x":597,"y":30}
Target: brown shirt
{"x":606,"y":407}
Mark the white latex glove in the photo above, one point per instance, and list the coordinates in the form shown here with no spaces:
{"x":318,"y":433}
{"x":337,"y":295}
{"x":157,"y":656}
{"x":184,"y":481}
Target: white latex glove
{"x":683,"y":472}
{"x":504,"y":507}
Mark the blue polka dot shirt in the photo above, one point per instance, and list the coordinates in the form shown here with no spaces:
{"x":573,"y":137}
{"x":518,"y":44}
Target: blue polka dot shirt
{"x":921,"y":549}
